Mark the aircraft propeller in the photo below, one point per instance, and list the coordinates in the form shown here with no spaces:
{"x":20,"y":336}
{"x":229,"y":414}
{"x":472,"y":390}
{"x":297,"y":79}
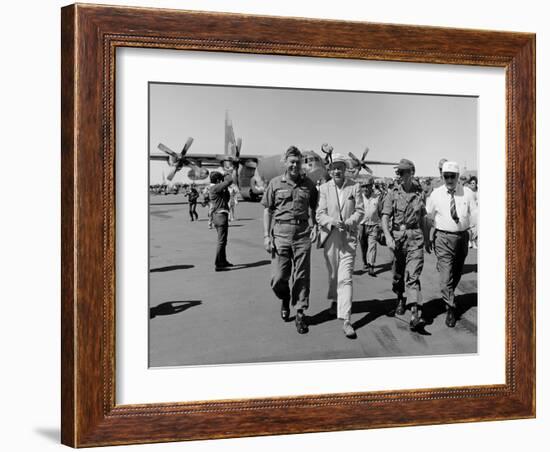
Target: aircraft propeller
{"x":360,"y":164}
{"x":175,"y":160}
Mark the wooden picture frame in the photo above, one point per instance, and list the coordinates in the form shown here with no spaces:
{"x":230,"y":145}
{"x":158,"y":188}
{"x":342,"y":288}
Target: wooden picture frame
{"x":90,"y":36}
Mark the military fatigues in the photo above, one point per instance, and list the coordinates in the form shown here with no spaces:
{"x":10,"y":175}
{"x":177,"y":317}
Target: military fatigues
{"x":290,"y":204}
{"x":407,"y":210}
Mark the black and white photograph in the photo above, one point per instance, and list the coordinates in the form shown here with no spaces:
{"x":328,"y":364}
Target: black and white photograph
{"x":298,"y":224}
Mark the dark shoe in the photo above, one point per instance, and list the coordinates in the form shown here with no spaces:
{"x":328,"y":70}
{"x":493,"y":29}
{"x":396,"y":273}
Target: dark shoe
{"x":285,"y":310}
{"x":371,"y":271}
{"x":301,"y":325}
{"x":450,"y":321}
{"x":228,"y":264}
{"x":333,"y":309}
{"x":401,"y":305}
{"x":348,"y":330}
{"x":366,"y":267}
{"x":417,"y":321}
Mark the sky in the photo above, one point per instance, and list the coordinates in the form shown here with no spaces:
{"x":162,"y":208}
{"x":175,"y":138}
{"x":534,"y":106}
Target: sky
{"x":422,"y":128}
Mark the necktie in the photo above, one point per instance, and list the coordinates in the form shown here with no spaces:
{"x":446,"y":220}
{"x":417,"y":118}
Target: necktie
{"x":454,"y":215}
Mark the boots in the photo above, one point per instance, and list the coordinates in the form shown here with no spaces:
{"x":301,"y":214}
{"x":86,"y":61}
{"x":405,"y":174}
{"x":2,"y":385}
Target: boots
{"x":417,"y":321}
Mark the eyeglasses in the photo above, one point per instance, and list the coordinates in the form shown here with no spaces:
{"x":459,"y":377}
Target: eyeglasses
{"x":402,"y":172}
{"x":449,"y":176}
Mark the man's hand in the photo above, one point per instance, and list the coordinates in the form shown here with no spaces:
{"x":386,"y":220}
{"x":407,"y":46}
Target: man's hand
{"x":267,"y":244}
{"x":390,"y":242}
{"x":427,"y":245}
{"x":350,"y":225}
{"x":314,"y":234}
{"x":339,"y":224}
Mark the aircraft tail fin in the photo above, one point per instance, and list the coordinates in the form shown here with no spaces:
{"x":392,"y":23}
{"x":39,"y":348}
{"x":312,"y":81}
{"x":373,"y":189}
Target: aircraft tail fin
{"x":230,"y":142}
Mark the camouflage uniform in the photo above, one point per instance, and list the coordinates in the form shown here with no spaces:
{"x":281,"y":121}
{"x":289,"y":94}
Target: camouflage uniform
{"x":407,"y":211}
{"x":290,"y":203}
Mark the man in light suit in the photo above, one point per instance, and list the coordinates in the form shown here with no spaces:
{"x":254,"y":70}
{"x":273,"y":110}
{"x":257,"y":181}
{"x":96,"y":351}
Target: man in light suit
{"x":339,"y":214}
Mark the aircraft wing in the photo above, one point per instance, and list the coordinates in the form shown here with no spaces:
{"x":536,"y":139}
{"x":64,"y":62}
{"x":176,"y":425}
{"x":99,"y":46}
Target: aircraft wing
{"x":212,"y":160}
{"x":377,"y":162}
{"x":157,"y":156}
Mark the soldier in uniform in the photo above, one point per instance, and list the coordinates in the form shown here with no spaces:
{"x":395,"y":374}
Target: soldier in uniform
{"x":407,"y":237}
{"x":289,"y":201}
{"x":193,"y":197}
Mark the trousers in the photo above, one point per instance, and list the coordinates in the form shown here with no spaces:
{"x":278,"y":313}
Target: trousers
{"x":367,"y":237}
{"x":451,"y":251}
{"x":222,"y":227}
{"x":339,"y":251}
{"x":193,"y":210}
{"x":291,"y":263}
{"x":408,"y":263}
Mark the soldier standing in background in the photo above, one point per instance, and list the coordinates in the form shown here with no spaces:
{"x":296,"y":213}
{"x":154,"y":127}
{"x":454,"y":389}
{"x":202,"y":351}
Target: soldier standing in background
{"x":193,"y":197}
{"x":219,"y":198}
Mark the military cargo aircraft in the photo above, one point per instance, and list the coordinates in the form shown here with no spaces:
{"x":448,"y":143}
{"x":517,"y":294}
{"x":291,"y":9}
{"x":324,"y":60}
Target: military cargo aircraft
{"x":255,"y":171}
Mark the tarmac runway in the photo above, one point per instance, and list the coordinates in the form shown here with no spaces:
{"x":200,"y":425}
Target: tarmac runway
{"x":199,"y":316}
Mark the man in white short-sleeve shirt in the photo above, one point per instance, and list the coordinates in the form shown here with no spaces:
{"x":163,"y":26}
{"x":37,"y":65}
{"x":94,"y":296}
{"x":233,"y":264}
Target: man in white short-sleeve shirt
{"x":450,"y":206}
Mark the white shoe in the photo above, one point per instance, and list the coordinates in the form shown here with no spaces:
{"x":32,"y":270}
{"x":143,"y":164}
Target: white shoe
{"x":348,"y":329}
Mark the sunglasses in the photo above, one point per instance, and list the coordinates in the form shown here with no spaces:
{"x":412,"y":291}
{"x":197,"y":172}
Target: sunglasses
{"x":449,"y":176}
{"x":402,"y":172}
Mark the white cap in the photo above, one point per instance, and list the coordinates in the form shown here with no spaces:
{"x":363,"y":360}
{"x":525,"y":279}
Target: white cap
{"x":450,"y":167}
{"x":339,"y":158}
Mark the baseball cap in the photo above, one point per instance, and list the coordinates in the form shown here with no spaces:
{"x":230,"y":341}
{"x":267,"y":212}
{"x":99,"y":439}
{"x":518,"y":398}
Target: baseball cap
{"x":450,"y":167}
{"x":339,"y":158}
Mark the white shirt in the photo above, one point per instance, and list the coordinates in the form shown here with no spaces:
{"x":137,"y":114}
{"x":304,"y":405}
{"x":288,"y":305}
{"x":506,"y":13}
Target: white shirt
{"x":340,"y":193}
{"x":371,"y":210}
{"x":438,"y":207}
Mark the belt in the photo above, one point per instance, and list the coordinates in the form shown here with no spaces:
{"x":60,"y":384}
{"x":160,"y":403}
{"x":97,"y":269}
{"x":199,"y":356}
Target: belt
{"x":452,"y":232}
{"x":291,"y":221}
{"x":403,"y":227}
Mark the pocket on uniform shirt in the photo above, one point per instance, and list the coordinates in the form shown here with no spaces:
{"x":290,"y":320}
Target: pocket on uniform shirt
{"x":302,"y":196}
{"x":282,"y":195}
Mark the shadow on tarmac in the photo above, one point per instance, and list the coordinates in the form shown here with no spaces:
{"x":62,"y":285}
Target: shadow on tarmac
{"x":172,"y":307}
{"x":469,"y":268}
{"x":436,"y":307}
{"x":243,"y":266}
{"x":169,"y":268}
{"x":373,"y":308}
{"x":379,"y":269}
{"x":168,"y":203}
{"x":319,"y":318}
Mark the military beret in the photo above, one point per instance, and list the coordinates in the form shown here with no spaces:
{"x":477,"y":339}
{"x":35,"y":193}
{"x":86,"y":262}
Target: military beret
{"x":405,"y":164}
{"x":293,"y":151}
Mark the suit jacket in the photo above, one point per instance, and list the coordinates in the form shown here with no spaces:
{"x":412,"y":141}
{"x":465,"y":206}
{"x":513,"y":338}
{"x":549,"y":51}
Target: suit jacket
{"x":329,"y":210}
